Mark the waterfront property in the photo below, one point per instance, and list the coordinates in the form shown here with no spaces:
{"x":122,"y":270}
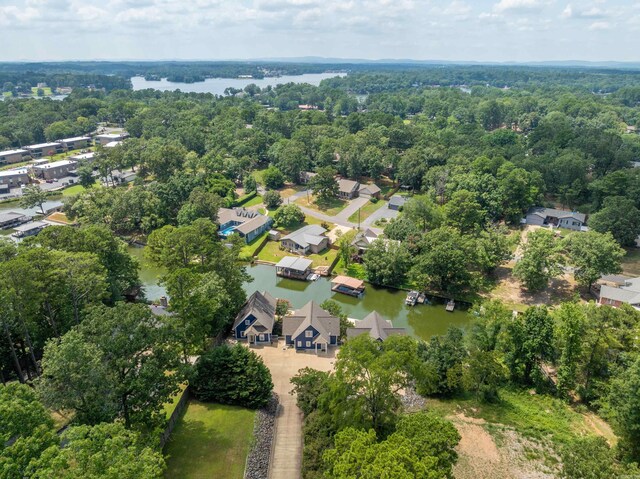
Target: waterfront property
{"x":13,"y":156}
{"x":45,"y":149}
{"x":29,"y":229}
{"x":363,"y":240}
{"x":553,"y":217}
{"x":254,"y":323}
{"x":14,"y":178}
{"x":54,"y":170}
{"x":375,"y":326}
{"x":294,"y":268}
{"x":619,"y":291}
{"x":76,"y":143}
{"x":311,"y":328}
{"x":308,"y":239}
{"x":246,"y":223}
{"x":347,"y":285}
{"x":12,"y":219}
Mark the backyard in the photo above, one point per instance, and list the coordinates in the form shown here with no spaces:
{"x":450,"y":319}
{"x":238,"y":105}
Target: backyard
{"x":211,"y":440}
{"x":272,"y":253}
{"x":631,"y":262}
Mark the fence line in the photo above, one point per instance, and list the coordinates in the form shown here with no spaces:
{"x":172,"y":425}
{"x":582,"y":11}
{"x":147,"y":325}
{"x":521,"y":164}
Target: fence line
{"x":177,"y":413}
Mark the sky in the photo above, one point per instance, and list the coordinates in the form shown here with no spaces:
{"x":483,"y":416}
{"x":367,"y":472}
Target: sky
{"x":453,"y":30}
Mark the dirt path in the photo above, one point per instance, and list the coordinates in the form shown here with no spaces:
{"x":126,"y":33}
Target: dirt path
{"x":286,"y":461}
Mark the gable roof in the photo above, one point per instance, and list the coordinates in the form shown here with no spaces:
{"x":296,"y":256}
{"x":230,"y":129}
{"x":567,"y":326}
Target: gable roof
{"x":372,"y":188}
{"x":253,"y":224}
{"x":263,"y":307}
{"x":311,"y":314}
{"x":296,"y":263}
{"x":376,"y":326}
{"x":365,"y":237}
{"x":347,"y":186}
{"x":307,"y":235}
{"x":397,"y":200}
{"x":555,"y":213}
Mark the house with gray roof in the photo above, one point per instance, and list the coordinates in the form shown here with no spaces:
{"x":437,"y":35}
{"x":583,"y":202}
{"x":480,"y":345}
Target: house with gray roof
{"x":248,"y":224}
{"x":572,"y":220}
{"x":375,"y":326}
{"x":627,"y":291}
{"x":347,"y":189}
{"x":254,"y":323}
{"x":294,"y":267}
{"x":308,"y":239}
{"x":396,"y":202}
{"x":13,"y":156}
{"x":311,"y":328}
{"x":370,"y":190}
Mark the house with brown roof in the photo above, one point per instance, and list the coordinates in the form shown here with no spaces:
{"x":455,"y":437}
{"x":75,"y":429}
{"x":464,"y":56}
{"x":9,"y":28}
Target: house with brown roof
{"x":246,"y":223}
{"x":376,"y":327}
{"x":347,"y":189}
{"x":254,"y":323}
{"x":311,"y":328}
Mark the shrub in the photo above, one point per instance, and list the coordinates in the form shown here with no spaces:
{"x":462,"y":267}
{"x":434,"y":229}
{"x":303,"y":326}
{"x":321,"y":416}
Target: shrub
{"x":232,"y":375}
{"x":289,"y":215}
{"x":272,"y":199}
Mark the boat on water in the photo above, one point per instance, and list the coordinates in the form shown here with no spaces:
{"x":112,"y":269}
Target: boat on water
{"x":451,"y":304}
{"x":412,"y":298}
{"x":422,"y":298}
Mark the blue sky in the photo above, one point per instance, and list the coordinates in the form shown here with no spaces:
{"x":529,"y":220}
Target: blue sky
{"x":476,"y":30}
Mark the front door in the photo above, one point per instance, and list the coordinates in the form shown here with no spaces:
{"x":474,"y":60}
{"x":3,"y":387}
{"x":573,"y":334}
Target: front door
{"x":252,"y":338}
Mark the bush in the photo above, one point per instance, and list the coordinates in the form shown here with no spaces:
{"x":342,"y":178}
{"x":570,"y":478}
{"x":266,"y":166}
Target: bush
{"x":249,"y":184}
{"x":272,"y":199}
{"x":374,"y":200}
{"x":232,"y":375}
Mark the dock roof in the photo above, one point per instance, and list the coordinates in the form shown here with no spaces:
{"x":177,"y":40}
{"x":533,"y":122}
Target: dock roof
{"x":295,"y":263}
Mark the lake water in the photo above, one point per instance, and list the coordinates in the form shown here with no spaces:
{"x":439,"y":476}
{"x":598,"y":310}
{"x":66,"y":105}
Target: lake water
{"x":422,"y":321}
{"x":218,"y":85}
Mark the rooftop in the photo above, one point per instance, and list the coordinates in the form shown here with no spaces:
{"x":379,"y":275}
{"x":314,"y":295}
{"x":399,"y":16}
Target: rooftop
{"x":43,"y":145}
{"x":262,"y":306}
{"x":347,"y":186}
{"x":371,"y":187}
{"x":77,"y":138}
{"x":629,"y":292}
{"x":17,"y":171}
{"x":376,"y":326}
{"x":10,"y":216}
{"x":348,"y":281}
{"x":55,"y":164}
{"x":311,"y":314}
{"x":30,"y":226}
{"x":555,"y":213}
{"x":295,"y":263}
{"x":397,"y":200}
{"x":307,"y":235}
{"x":13,"y":152}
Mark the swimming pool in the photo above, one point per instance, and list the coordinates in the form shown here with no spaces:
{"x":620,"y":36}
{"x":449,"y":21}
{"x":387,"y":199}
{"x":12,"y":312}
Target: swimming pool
{"x":227,"y":231}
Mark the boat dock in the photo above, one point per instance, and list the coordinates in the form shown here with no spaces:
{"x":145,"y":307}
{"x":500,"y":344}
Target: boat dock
{"x":347,"y":285}
{"x":451,"y":304}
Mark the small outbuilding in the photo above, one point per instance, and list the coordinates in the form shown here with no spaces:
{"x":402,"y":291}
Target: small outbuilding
{"x":294,"y":267}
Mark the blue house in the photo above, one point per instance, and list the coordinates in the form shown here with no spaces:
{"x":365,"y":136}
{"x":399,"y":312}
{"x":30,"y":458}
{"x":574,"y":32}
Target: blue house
{"x":254,"y":323}
{"x":246,"y":223}
{"x":311,"y":328}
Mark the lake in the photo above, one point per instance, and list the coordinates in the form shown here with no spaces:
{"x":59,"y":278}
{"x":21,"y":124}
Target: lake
{"x":422,"y":321}
{"x":218,"y":85}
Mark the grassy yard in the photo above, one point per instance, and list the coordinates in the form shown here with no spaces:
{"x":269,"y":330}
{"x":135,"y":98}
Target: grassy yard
{"x":211,"y":440}
{"x":47,"y":90}
{"x":248,"y":250}
{"x":256,"y":200}
{"x":355,"y":270}
{"x":272,"y":253}
{"x":73,"y":190}
{"x":535,"y":416}
{"x":631,"y":262}
{"x":366,"y":211}
{"x":329,"y":207}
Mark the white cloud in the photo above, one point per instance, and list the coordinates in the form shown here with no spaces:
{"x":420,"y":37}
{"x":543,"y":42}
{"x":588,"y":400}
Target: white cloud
{"x":518,"y":5}
{"x":457,"y":8}
{"x":567,"y":12}
{"x":600,"y":26}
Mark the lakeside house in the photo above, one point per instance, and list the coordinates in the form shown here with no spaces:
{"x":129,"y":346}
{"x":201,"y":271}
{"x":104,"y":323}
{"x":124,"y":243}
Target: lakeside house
{"x":254,"y":323}
{"x":246,"y":223}
{"x":363,"y":240}
{"x":311,"y":328}
{"x":396,"y":202}
{"x":572,"y":220}
{"x":308,"y":239}
{"x":347,"y":189}
{"x":14,"y":178}
{"x":376,"y":327}
{"x":54,"y":170}
{"x":620,"y":290}
{"x":294,"y":267}
{"x":13,"y":156}
{"x":45,"y":149}
{"x":29,"y":229}
{"x":76,"y":143}
{"x":12,"y":219}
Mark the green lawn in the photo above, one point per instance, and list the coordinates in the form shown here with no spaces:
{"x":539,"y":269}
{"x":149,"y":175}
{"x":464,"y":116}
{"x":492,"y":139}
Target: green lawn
{"x":248,"y":251}
{"x":211,"y":440}
{"x":7,"y":94}
{"x":256,"y":200}
{"x":272,"y":253}
{"x":366,"y":211}
{"x":330,"y":207}
{"x":631,"y":262}
{"x":355,"y":270}
{"x":536,"y":416}
{"x":47,"y":90}
{"x":73,"y":190}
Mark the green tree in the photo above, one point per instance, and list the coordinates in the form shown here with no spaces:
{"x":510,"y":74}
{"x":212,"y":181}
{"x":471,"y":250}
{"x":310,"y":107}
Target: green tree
{"x":324,"y":184}
{"x":32,"y":196}
{"x":272,"y":199}
{"x":463,"y":212}
{"x":569,"y":333}
{"x":232,"y":375}
{"x":482,"y":374}
{"x":593,"y":254}
{"x":387,"y":262}
{"x":620,"y":217}
{"x":289,"y":215}
{"x":249,"y":183}
{"x":308,"y":386}
{"x":85,"y":176}
{"x":273,"y":178}
{"x":423,"y":212}
{"x":346,"y":249}
{"x":201,"y":204}
{"x":540,"y":261}
{"x":624,"y":409}
{"x":589,"y":458}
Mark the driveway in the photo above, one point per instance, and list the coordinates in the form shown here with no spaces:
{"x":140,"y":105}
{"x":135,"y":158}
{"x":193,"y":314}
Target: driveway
{"x":383,"y":212}
{"x":286,"y":461}
{"x":353,"y":206}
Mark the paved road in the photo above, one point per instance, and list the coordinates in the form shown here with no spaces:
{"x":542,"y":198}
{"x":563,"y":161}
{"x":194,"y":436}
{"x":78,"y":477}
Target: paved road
{"x":286,"y":462}
{"x":383,"y":212}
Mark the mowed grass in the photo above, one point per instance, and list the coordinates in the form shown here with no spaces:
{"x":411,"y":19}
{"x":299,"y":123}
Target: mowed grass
{"x":537,"y":416}
{"x":249,"y":250}
{"x":73,"y":190}
{"x":47,"y":90}
{"x":355,"y":270}
{"x":330,"y":207}
{"x":211,"y":440}
{"x":272,"y":253}
{"x":366,"y":211}
{"x":256,"y":200}
{"x":631,"y":262}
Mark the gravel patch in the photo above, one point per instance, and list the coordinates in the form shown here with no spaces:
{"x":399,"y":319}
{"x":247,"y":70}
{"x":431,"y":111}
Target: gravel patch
{"x":263,"y":431}
{"x":412,"y":401}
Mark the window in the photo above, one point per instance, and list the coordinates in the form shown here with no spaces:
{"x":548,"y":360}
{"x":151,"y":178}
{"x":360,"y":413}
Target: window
{"x":247,"y":322}
{"x":299,"y":344}
{"x":308,"y":344}
{"x":308,"y":334}
{"x":262,"y":337}
{"x":243,"y":334}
